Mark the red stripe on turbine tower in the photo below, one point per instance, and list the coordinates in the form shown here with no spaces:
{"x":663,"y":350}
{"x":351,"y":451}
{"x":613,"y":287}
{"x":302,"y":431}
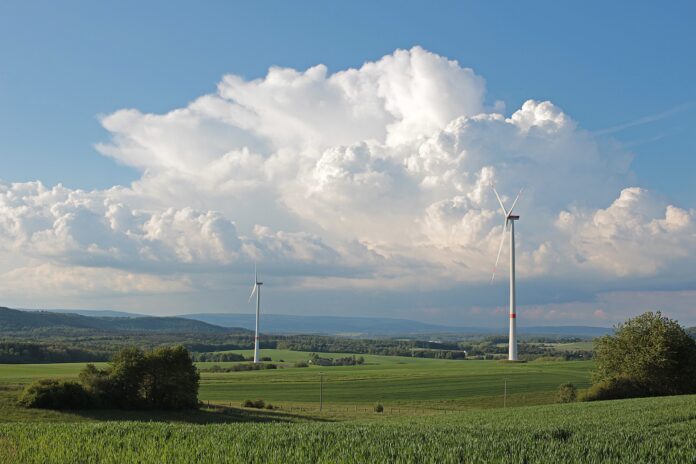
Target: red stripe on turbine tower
{"x":513,"y":316}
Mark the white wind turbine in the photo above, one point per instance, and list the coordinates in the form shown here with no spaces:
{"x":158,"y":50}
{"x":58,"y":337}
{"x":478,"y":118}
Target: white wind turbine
{"x":257,"y":290}
{"x":509,"y":219}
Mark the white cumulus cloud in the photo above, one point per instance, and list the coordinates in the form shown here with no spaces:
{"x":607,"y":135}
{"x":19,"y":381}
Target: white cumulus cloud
{"x":380,"y":172}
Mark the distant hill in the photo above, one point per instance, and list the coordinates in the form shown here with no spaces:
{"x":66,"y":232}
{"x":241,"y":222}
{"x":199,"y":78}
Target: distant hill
{"x":373,"y":326}
{"x":94,"y":312}
{"x":13,"y":320}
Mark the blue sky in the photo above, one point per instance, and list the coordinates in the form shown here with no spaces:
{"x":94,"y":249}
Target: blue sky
{"x":624,"y":71}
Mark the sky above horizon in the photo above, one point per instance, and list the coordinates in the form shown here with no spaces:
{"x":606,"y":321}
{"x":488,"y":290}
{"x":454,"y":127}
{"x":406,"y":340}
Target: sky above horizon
{"x":150,"y":154}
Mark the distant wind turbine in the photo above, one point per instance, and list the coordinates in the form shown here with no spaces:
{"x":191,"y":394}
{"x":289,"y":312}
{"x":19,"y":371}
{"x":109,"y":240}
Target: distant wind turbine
{"x":257,"y":290}
{"x":509,"y":218}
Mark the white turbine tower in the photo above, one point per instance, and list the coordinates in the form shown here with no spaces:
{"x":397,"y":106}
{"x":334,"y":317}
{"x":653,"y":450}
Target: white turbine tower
{"x":509,"y":218}
{"x":257,"y":290}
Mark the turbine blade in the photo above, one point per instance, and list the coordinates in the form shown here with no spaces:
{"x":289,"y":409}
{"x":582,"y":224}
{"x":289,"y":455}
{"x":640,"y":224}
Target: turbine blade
{"x":502,"y":242}
{"x":515,"y":202}
{"x":253,"y":290}
{"x":505,"y":213}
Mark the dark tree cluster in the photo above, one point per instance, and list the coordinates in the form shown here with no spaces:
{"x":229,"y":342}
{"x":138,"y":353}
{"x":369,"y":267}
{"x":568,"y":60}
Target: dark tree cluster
{"x":36,"y":353}
{"x":164,"y":378}
{"x":345,"y":361}
{"x":240,"y":367}
{"x":217,"y":357}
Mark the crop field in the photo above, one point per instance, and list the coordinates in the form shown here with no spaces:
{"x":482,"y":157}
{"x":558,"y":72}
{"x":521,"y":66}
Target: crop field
{"x":631,"y":431}
{"x":575,"y":346}
{"x":402,"y":381}
{"x":390,"y":380}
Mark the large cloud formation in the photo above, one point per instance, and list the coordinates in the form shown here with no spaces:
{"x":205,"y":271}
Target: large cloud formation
{"x":380,"y":175}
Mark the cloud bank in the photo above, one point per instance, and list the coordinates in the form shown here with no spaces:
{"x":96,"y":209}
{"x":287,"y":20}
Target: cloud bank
{"x":373,"y":177}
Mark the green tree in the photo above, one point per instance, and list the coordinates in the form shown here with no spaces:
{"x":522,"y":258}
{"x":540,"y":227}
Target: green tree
{"x":651,"y":353}
{"x":126,"y":372}
{"x":171,"y":379}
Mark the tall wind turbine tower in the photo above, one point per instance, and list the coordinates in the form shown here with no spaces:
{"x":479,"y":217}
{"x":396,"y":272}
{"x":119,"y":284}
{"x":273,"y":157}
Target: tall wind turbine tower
{"x":510,"y":219}
{"x":257,"y":290}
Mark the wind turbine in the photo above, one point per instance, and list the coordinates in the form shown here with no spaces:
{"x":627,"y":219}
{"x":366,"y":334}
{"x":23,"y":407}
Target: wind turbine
{"x":509,"y":218}
{"x":257,"y":290}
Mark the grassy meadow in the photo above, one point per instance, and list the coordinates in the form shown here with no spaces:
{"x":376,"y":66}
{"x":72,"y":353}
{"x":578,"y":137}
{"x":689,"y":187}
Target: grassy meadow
{"x":396,"y":382}
{"x":435,"y":411}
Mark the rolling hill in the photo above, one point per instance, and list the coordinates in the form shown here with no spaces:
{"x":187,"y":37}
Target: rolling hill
{"x":13,"y":320}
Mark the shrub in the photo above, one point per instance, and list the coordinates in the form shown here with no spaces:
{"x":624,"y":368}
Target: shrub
{"x":258,"y":404}
{"x":379,"y":408}
{"x":301,"y":364}
{"x":266,"y":358}
{"x":567,"y":393}
{"x":55,"y":394}
{"x":270,"y":366}
{"x":616,"y":389}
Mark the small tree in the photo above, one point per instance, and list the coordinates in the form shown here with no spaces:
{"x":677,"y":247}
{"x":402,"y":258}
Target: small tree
{"x":651,"y":353}
{"x":567,"y":393}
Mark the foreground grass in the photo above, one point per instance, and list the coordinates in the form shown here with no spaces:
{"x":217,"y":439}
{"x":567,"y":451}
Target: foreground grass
{"x":630,"y":431}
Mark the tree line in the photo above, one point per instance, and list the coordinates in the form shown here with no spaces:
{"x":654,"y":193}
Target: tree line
{"x":36,"y":353}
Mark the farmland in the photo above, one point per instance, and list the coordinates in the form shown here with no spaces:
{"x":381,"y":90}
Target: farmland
{"x":640,"y":430}
{"x":393,"y":381}
{"x":435,"y":411}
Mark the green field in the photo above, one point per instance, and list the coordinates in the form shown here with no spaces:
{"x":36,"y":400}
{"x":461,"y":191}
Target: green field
{"x":435,"y":411}
{"x":631,"y":431}
{"x":575,"y":346}
{"x":390,"y":380}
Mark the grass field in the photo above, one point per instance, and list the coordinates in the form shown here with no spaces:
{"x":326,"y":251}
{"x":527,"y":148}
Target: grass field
{"x":436,"y":411}
{"x":390,"y":380}
{"x":575,"y":346}
{"x":630,"y":431}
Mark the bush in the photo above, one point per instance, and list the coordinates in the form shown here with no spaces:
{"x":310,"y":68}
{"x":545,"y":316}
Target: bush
{"x":266,"y":358}
{"x":379,"y":408}
{"x":617,"y":389}
{"x":258,"y":404}
{"x":270,"y":366}
{"x":567,"y":393}
{"x":301,"y":364}
{"x":649,"y":355}
{"x":55,"y":394}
